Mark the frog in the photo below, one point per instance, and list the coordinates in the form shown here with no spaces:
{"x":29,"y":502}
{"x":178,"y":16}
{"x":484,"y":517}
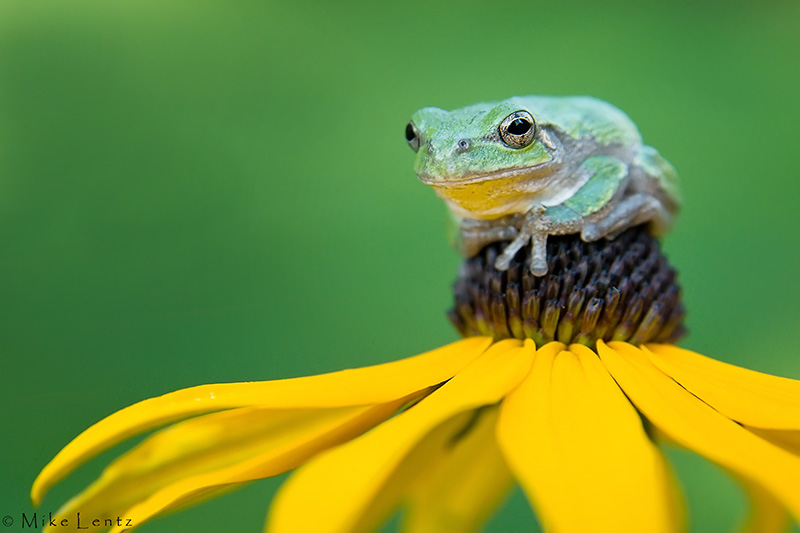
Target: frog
{"x":528,"y":167}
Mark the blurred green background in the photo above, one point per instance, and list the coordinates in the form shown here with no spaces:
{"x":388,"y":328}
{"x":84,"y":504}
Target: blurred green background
{"x":195,"y":192}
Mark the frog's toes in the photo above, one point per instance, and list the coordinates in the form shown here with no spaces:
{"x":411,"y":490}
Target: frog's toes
{"x":591,"y":233}
{"x":539,"y":268}
{"x":539,"y":254}
{"x":504,"y":259}
{"x":502,"y":262}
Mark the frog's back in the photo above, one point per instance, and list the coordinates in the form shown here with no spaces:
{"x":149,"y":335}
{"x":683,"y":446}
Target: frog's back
{"x":582,"y":117}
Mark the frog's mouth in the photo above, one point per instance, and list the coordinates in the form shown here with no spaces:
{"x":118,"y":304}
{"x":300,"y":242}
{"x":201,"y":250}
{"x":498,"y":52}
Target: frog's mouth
{"x":552,"y":143}
{"x":540,"y":171}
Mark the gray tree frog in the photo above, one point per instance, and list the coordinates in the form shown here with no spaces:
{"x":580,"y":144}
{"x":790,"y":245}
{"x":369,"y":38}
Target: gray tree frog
{"x":533,"y":166}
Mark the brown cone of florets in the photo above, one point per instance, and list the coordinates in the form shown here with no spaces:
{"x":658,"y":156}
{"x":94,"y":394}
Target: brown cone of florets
{"x":622,"y":289}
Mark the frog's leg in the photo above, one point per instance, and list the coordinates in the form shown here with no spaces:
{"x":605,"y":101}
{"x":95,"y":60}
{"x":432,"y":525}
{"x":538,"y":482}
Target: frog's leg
{"x":475,"y":234}
{"x":538,"y":224}
{"x":656,"y":175}
{"x":596,"y":196}
{"x":651,"y":183}
{"x":530,"y":231}
{"x":631,"y":211}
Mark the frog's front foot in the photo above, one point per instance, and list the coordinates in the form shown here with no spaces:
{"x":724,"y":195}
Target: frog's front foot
{"x":533,"y":229}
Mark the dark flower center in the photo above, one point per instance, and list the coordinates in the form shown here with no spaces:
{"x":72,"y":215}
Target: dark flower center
{"x":622,"y":289}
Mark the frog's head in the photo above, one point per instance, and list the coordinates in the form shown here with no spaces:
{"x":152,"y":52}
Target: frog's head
{"x":484,"y":160}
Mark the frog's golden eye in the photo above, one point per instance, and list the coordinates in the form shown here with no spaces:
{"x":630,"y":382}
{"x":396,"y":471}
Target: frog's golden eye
{"x":412,"y":136}
{"x":517,"y":129}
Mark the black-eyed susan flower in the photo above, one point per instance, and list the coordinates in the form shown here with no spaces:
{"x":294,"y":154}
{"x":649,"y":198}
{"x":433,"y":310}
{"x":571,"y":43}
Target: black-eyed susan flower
{"x":565,"y":383}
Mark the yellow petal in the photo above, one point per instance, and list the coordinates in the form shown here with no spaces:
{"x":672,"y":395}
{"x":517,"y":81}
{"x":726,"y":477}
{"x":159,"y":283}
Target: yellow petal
{"x":416,"y":463}
{"x":341,"y":484}
{"x":278,"y":453}
{"x":580,"y":452}
{"x":767,"y":515}
{"x":200,"y":445}
{"x":463,"y":483}
{"x":749,"y":397}
{"x":787,"y":439}
{"x":361,"y":386}
{"x":695,"y":425}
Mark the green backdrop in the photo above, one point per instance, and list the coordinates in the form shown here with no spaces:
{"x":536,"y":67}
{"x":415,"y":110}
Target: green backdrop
{"x":195,"y":192}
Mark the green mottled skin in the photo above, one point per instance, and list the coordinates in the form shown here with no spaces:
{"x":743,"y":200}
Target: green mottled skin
{"x":586,"y":171}
{"x":578,"y":117}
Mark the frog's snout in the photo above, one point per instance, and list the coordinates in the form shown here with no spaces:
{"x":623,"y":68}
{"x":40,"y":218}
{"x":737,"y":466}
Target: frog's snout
{"x":440,"y":159}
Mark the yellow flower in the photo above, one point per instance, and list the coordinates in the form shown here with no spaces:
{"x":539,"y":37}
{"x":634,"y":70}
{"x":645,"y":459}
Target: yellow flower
{"x":562,"y":420}
{"x":445,"y":434}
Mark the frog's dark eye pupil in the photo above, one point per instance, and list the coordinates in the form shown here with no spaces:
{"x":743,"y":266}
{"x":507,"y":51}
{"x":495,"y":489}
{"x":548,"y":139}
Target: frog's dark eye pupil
{"x":519,"y":126}
{"x":412,"y":136}
{"x":410,"y":133}
{"x":518,"y":130}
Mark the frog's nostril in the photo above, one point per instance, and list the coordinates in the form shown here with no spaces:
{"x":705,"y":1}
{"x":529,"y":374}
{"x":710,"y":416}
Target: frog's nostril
{"x":462,"y":146}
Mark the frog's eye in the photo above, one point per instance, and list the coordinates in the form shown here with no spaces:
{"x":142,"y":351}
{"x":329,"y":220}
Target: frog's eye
{"x":412,"y":136}
{"x":517,"y":129}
